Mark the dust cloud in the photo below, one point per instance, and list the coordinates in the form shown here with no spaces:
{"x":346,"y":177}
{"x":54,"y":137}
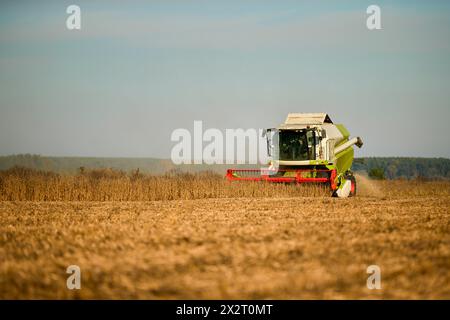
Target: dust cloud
{"x":367,"y":187}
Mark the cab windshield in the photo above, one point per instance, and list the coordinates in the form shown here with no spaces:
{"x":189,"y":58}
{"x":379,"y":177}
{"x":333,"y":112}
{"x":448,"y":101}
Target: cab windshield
{"x":297,"y":145}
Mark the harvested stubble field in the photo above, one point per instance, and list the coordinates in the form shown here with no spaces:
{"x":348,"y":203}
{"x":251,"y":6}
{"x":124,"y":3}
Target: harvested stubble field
{"x":197,"y":236}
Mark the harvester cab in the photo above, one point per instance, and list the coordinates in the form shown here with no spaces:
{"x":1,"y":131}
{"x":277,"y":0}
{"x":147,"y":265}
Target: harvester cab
{"x":307,"y":148}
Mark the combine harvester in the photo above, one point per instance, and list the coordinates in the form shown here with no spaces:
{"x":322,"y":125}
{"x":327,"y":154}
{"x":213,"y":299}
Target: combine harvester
{"x":307,"y":148}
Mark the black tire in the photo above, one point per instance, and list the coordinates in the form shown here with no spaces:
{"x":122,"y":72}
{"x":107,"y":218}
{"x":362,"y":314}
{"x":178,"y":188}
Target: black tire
{"x":353,"y":189}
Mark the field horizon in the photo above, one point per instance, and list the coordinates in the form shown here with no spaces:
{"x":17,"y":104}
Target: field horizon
{"x":392,"y":167}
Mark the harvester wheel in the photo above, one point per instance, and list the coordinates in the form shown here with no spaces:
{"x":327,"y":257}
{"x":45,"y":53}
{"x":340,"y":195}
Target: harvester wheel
{"x":347,"y":186}
{"x":353,"y":186}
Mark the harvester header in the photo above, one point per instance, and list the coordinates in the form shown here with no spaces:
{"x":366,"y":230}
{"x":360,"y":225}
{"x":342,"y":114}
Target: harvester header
{"x":307,"y":147}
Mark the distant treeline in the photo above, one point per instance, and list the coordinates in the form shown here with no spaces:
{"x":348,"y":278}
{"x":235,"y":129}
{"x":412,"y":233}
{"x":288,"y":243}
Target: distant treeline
{"x":406,"y":168}
{"x":377,"y":167}
{"x":73,"y":165}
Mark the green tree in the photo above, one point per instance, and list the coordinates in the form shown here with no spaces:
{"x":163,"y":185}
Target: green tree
{"x":377,"y":173}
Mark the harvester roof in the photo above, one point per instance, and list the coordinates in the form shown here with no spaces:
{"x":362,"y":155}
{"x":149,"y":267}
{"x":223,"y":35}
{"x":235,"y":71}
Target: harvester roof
{"x":301,"y":120}
{"x":308,"y":118}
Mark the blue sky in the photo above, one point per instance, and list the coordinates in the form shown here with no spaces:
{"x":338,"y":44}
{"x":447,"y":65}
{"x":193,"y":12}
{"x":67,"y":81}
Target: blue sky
{"x":137,"y":70}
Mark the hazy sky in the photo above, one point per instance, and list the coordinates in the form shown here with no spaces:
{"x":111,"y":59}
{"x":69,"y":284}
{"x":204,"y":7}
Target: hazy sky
{"x":137,"y":70}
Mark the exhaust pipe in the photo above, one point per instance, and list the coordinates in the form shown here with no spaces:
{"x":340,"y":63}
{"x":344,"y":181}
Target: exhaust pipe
{"x":357,"y":141}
